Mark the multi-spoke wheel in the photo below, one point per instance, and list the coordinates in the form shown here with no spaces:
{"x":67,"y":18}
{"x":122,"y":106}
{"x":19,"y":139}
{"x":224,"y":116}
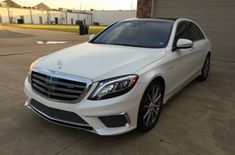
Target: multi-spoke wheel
{"x":205,"y":69}
{"x":150,"y":106}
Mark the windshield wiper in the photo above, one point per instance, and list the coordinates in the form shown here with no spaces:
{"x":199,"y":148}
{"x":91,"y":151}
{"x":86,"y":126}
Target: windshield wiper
{"x":121,"y":44}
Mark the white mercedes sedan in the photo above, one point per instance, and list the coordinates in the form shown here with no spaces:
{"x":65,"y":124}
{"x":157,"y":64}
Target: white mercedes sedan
{"x":120,"y":79}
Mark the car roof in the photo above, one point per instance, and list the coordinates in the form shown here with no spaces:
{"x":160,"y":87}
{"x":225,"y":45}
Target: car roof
{"x":152,"y":19}
{"x":165,"y":18}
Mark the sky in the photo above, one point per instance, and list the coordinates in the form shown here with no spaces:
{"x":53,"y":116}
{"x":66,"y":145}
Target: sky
{"x":84,"y":4}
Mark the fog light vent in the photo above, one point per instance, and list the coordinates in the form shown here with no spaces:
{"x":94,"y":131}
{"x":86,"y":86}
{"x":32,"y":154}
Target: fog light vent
{"x":115,"y":120}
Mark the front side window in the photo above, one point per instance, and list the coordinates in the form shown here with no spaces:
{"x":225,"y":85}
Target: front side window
{"x":138,"y":33}
{"x":188,"y":30}
{"x":182,"y":32}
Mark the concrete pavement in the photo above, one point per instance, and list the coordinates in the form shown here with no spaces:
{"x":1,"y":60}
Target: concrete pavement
{"x":199,"y":120}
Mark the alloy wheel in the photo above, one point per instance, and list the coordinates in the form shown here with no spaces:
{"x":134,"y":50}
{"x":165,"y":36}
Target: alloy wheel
{"x":152,"y":106}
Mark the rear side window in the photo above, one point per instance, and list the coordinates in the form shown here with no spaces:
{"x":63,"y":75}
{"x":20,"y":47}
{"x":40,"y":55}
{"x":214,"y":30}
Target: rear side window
{"x":195,"y":32}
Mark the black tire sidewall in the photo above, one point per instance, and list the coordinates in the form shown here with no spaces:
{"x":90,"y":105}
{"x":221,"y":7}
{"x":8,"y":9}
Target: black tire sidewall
{"x":140,"y":124}
{"x":203,"y":77}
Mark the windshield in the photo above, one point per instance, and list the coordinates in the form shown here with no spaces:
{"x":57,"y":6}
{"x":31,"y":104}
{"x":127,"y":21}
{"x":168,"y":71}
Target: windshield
{"x":138,"y":33}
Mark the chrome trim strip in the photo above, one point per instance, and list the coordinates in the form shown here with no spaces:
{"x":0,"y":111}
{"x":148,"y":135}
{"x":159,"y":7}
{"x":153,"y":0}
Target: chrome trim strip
{"x":57,"y":82}
{"x":56,"y":94}
{"x":65,"y":76}
{"x":38,"y":83}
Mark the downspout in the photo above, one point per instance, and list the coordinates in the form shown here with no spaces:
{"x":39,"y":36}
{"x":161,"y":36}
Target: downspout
{"x":152,"y":8}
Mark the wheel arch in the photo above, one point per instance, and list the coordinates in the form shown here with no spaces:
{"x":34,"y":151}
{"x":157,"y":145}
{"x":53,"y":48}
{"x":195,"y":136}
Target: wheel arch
{"x":162,"y":81}
{"x":209,"y":54}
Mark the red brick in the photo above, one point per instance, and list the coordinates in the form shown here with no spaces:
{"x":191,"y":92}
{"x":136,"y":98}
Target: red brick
{"x":144,"y":8}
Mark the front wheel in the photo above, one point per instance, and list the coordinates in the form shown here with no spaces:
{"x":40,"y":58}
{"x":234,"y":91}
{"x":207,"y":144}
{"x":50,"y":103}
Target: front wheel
{"x":150,"y":107}
{"x":205,"y":69}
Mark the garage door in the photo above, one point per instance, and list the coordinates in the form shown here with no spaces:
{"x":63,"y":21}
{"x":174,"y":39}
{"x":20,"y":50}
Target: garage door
{"x":217,"y":17}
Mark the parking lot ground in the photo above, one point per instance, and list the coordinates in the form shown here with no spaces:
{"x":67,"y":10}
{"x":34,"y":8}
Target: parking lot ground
{"x":200,"y":120}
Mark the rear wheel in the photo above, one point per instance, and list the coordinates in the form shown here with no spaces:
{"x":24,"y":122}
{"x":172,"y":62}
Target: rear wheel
{"x":150,"y":106}
{"x":205,"y":69}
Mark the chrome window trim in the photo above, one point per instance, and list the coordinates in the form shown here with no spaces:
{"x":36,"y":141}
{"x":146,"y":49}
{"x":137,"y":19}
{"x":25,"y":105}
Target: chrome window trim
{"x":65,"y":76}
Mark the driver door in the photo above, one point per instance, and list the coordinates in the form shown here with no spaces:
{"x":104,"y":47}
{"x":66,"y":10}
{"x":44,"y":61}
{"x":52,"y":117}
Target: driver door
{"x":180,"y":64}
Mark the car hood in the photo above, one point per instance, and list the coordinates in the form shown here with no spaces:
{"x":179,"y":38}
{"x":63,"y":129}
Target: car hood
{"x":99,"y":61}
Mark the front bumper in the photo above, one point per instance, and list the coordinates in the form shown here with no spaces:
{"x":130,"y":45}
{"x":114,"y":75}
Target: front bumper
{"x":104,"y":117}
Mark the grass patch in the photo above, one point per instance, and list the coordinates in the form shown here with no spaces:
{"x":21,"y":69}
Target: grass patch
{"x":64,"y":28}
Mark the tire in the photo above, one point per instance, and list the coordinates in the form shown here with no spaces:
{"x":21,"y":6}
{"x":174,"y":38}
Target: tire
{"x":205,"y":69}
{"x":149,"y":110}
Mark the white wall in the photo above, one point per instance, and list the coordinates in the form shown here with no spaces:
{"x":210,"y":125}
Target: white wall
{"x":36,"y":14}
{"x":57,"y":14}
{"x":102,"y":17}
{"x":73,"y":16}
{"x":85,"y":18}
{"x":16,"y":13}
{"x":4,"y":15}
{"x":109,"y":17}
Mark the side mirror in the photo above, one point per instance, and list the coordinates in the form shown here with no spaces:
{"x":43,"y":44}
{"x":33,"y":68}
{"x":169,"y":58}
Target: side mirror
{"x":92,"y":37}
{"x":183,"y":44}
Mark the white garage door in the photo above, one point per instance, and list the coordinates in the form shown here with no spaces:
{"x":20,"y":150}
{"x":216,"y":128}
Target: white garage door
{"x":217,"y":17}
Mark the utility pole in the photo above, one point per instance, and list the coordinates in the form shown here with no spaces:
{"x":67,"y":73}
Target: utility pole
{"x":48,"y":17}
{"x":131,"y":4}
{"x":66,"y":17}
{"x":31,"y":16}
{"x":8,"y":11}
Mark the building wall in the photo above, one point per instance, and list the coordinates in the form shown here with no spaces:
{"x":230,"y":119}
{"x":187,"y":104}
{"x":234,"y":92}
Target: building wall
{"x":49,"y":17}
{"x":109,"y":17}
{"x":86,"y":18}
{"x":36,"y":14}
{"x":144,"y":8}
{"x":216,"y":17}
{"x":59,"y":15}
{"x":73,"y":16}
{"x":16,"y":13}
{"x":4,"y":15}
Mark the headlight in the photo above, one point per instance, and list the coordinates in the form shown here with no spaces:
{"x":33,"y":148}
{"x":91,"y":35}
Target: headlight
{"x":29,"y":76}
{"x":114,"y":87}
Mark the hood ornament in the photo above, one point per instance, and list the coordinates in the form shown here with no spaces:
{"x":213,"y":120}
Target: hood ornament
{"x":59,"y":64}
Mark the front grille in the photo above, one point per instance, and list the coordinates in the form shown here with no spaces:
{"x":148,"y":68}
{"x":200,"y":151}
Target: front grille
{"x":56,"y":88}
{"x":59,"y":116}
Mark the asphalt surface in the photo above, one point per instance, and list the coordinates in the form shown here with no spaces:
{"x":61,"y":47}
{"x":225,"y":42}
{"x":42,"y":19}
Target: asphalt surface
{"x":199,"y":120}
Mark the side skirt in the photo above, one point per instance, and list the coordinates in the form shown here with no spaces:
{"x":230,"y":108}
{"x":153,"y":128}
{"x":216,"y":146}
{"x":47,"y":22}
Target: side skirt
{"x":181,"y":87}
